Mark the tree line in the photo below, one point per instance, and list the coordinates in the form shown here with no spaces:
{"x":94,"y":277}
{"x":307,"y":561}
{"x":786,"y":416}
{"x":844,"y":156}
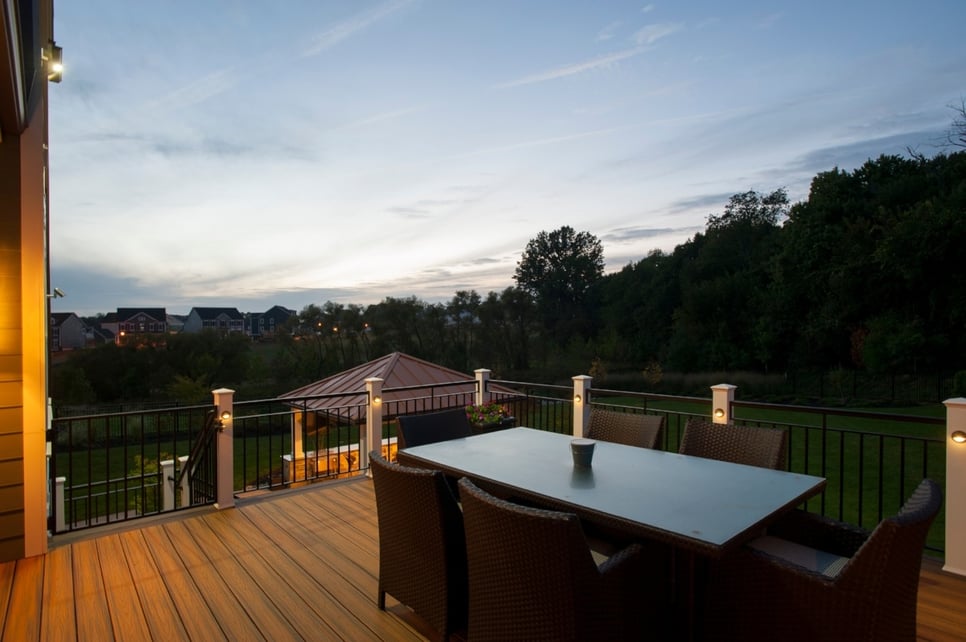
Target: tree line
{"x":866,"y":273}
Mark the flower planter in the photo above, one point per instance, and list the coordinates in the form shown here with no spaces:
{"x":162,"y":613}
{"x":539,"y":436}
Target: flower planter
{"x":506,"y":422}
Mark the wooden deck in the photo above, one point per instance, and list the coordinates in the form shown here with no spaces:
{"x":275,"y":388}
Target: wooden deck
{"x":290,"y":565}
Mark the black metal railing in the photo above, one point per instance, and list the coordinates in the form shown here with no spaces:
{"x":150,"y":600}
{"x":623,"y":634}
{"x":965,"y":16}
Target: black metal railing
{"x":111,"y":463}
{"x":871,"y":461}
{"x":201,"y":465}
{"x":264,"y":452}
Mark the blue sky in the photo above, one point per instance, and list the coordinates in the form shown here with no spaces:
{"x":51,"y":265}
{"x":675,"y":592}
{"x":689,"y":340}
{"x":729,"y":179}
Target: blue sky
{"x":247,"y":154}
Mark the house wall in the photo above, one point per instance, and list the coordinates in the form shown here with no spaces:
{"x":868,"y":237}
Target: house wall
{"x":192,"y":323}
{"x":23,"y":320}
{"x":73,"y":334}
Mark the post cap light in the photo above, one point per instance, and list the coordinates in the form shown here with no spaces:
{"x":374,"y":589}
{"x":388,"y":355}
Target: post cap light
{"x":959,"y":437}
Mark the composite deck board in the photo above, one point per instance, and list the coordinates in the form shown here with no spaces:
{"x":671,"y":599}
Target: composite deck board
{"x":341,"y":612}
{"x":91,"y":607}
{"x":271,"y":587}
{"x":26,"y":596}
{"x":288,"y":583}
{"x":233,"y":566}
{"x":127,"y":616}
{"x":288,"y":565}
{"x":58,"y":619}
{"x":160,"y":611}
{"x":196,"y":618}
{"x":230,"y":614}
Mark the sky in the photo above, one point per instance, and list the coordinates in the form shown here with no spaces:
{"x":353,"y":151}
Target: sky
{"x":248,"y":154}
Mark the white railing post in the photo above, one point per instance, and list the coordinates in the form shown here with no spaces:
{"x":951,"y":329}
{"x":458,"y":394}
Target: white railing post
{"x":721,"y":397}
{"x":167,"y":485}
{"x":185,"y":482}
{"x":373,"y":432}
{"x":60,"y":514}
{"x":582,"y":404}
{"x":482,"y":386}
{"x":224,"y":447}
{"x":955,"y":499}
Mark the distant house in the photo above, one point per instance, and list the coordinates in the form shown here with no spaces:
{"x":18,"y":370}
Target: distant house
{"x":67,"y":332}
{"x":266,"y":324}
{"x":221,"y":319}
{"x":108,"y":323}
{"x":175,"y":323}
{"x":138,"y":324}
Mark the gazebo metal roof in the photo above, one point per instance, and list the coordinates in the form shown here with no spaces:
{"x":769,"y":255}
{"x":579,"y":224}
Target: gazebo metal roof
{"x":397,"y":370}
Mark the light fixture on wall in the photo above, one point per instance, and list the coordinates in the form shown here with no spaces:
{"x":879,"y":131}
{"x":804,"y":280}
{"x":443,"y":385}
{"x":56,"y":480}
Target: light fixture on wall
{"x":54,"y":57}
{"x":57,"y":294}
{"x":576,"y":398}
{"x":719,"y":413}
{"x":226,"y":415}
{"x":377,"y":400}
{"x":959,"y":437}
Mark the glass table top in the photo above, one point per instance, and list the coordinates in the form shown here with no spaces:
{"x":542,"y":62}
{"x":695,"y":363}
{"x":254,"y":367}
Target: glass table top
{"x":691,"y":501}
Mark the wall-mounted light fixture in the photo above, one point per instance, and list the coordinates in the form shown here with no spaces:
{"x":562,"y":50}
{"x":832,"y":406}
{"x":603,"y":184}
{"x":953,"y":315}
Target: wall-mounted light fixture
{"x":577,"y":399}
{"x":719,"y":412}
{"x":54,"y":56}
{"x":377,"y":400}
{"x":225,"y":415}
{"x":959,"y":437}
{"x":57,"y":294}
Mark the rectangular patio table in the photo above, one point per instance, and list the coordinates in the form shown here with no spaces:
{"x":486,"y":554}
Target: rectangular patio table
{"x":703,"y":506}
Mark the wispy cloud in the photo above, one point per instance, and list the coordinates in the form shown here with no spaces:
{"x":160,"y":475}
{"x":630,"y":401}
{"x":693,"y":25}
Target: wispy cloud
{"x":608,"y":32}
{"x":356,"y":24}
{"x":570,"y":70}
{"x":536,"y":143}
{"x":376,"y":118}
{"x":652,"y":33}
{"x":196,"y":92}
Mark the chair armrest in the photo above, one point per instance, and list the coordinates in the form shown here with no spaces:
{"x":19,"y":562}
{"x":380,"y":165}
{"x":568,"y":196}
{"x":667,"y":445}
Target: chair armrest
{"x":820,"y":532}
{"x":626,"y":560}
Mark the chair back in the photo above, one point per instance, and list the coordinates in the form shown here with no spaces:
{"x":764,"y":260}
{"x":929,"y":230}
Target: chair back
{"x":422,"y":547}
{"x":750,"y":445}
{"x":629,"y":428}
{"x":428,"y":428}
{"x":531,"y":574}
{"x":886,"y":567}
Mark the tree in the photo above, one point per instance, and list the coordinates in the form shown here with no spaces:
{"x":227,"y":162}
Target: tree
{"x":561,"y":270}
{"x":956,"y":136}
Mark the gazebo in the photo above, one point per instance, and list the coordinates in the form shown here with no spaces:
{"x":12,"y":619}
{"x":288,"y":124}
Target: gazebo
{"x":409,"y":385}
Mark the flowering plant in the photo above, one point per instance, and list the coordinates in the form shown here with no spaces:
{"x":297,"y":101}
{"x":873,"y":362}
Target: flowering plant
{"x":486,"y":413}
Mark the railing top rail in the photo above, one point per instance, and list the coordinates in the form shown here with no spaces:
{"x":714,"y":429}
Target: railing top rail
{"x":132,"y":413}
{"x":646,"y":395}
{"x":423,"y":386}
{"x":841,"y":412}
{"x":530,"y":384}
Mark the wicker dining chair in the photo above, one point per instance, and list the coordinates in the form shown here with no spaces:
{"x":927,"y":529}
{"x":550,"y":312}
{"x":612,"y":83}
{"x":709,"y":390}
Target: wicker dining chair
{"x":751,"y":445}
{"x":533,"y":577}
{"x":870,"y":595}
{"x":422,"y":547}
{"x":430,"y":427}
{"x":629,"y":428}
